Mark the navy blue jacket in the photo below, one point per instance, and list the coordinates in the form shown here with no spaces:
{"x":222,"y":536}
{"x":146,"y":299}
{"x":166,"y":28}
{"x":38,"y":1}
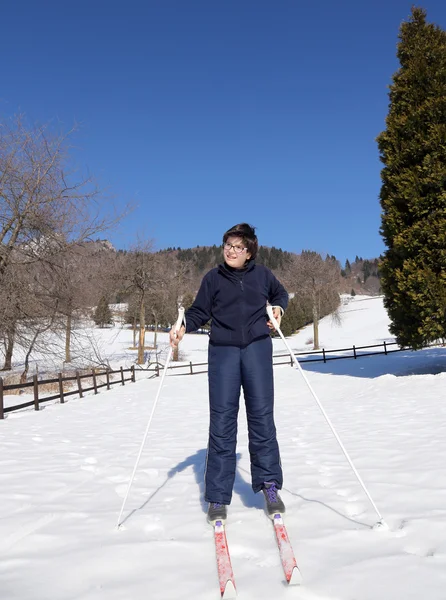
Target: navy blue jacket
{"x":235,"y":300}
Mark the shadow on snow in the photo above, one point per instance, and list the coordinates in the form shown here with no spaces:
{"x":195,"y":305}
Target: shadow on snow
{"x":241,"y":487}
{"x":429,"y":361}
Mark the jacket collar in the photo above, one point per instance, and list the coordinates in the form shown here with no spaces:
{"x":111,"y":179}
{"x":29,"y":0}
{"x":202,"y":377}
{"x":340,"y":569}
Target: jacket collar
{"x":235,"y":274}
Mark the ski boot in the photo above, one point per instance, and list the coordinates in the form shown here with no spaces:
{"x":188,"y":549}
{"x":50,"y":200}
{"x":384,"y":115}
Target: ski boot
{"x":274,"y":503}
{"x":217,"y":512}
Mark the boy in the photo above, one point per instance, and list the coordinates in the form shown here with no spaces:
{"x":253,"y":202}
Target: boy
{"x":234,"y":295}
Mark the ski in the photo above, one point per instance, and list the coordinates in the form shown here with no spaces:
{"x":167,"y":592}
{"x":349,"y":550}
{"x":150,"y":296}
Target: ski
{"x":289,"y":564}
{"x":224,"y":568}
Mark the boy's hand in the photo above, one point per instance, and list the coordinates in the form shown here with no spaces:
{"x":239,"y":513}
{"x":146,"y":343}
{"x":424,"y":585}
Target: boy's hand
{"x":176,"y":336}
{"x":277,"y":315}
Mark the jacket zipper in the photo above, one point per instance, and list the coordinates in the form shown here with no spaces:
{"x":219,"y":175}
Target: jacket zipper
{"x":242,"y":311}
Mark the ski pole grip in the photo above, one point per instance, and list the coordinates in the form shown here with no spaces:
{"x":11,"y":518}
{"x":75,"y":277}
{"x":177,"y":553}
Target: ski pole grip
{"x":180,"y":319}
{"x":269,"y":310}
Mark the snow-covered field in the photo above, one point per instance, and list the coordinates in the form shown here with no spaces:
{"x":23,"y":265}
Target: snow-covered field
{"x":64,"y":472}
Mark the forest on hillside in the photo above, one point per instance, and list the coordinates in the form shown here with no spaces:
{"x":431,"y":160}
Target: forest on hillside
{"x":359,"y":275}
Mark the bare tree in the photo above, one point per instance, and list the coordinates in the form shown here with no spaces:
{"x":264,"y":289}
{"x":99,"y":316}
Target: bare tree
{"x":25,"y":312}
{"x":140,"y":277}
{"x":310,"y":274}
{"x":42,"y":204}
{"x":154,"y":285}
{"x":33,"y":330}
{"x":69,"y":291}
{"x":45,"y":210}
{"x":10,"y":314}
{"x":176,"y":282}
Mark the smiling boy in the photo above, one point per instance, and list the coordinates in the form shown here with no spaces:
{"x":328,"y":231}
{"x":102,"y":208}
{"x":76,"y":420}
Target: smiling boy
{"x":234,"y":296}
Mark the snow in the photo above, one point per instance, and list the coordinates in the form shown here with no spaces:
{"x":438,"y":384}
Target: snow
{"x":64,"y":473}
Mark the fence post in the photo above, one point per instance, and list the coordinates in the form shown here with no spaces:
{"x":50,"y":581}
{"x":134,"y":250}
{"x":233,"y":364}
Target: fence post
{"x":122,"y":376}
{"x":107,"y":374}
{"x":132,"y":368}
{"x":157,"y":370}
{"x":323,"y":354}
{"x":354,"y":351}
{"x":93,"y":372}
{"x":2,"y":408}
{"x":79,"y":385}
{"x":291,"y":361}
{"x":385,"y":348}
{"x":191,"y":369}
{"x":62,"y":399}
{"x":36,"y":392}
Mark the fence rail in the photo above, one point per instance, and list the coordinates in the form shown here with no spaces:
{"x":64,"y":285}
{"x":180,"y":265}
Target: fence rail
{"x":356,"y":351}
{"x":62,"y":394}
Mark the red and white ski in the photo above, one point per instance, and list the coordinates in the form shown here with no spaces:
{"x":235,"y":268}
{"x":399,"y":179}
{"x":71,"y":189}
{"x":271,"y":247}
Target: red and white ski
{"x":225,"y":574}
{"x":289,"y":564}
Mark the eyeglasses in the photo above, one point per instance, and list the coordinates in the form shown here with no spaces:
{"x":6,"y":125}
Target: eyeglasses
{"x":237,"y":249}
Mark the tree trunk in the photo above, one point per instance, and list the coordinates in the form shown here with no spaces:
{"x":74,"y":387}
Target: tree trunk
{"x":24,"y":375}
{"x":68,"y":338}
{"x":134,"y":332}
{"x":155,"y":334}
{"x":142,"y":332}
{"x":10,"y":339}
{"x":315,"y":322}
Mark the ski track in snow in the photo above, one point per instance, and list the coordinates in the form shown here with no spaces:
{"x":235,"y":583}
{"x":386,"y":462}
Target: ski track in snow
{"x":64,"y":472}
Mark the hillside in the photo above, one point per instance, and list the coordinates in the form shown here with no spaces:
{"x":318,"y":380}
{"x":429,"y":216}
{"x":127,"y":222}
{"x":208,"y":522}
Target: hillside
{"x":360,"y":275}
{"x":206,"y":257}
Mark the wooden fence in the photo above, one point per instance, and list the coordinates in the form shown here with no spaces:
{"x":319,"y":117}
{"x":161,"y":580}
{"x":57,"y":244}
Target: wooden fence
{"x":156,"y":368}
{"x":62,"y":394}
{"x":324,"y":356}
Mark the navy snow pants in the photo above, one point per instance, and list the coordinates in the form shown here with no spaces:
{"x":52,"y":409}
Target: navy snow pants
{"x":230,"y":368}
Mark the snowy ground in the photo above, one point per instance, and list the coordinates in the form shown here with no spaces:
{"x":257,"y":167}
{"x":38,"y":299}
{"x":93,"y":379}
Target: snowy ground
{"x":64,"y":473}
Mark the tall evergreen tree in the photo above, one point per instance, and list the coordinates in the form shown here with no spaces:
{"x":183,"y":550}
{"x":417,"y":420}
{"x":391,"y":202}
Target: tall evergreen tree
{"x":413,"y":192}
{"x":366,"y":269}
{"x":102,"y":315}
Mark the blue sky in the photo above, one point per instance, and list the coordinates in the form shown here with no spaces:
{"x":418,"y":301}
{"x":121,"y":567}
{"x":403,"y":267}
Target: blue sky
{"x":203,"y":114}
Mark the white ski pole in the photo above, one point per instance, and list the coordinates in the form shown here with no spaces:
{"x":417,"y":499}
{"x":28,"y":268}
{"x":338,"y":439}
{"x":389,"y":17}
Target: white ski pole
{"x":169,"y":356}
{"x":269,"y":310}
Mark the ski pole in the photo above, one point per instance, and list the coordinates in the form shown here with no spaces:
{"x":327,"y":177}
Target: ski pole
{"x":269,"y":310}
{"x":169,"y":356}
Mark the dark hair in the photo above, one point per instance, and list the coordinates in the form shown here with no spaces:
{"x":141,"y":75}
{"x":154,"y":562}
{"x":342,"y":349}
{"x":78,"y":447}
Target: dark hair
{"x":248,"y":235}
